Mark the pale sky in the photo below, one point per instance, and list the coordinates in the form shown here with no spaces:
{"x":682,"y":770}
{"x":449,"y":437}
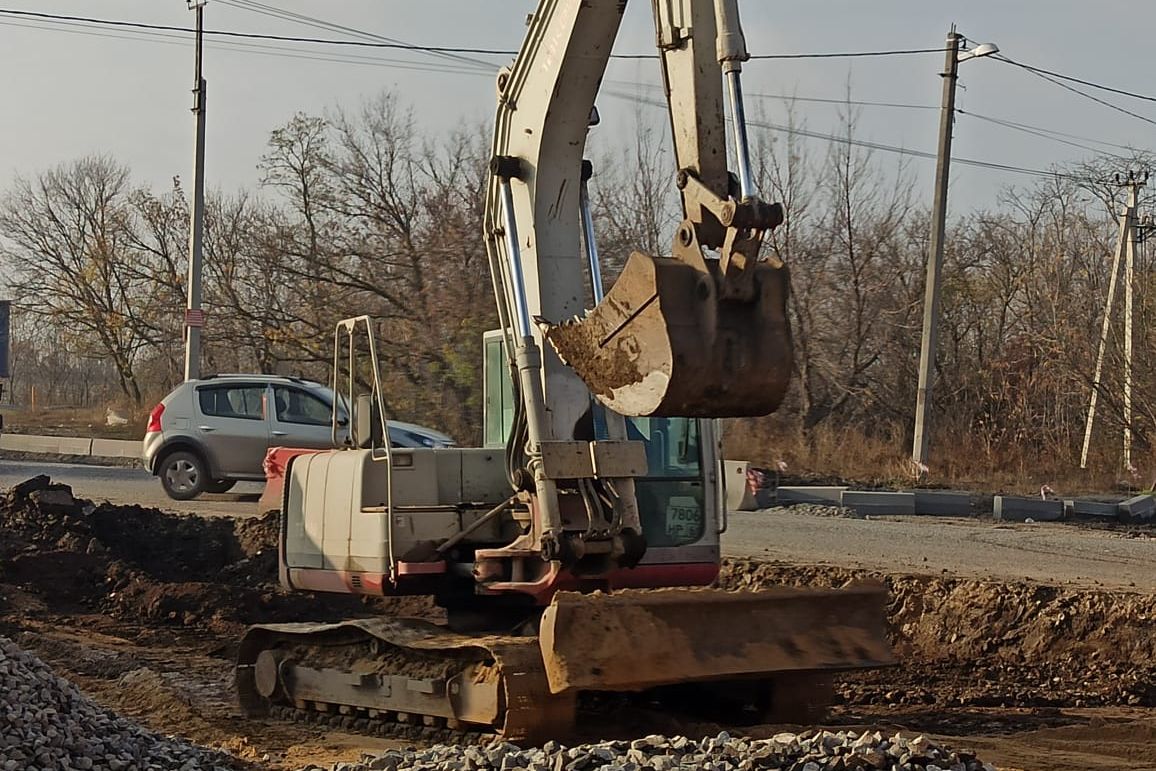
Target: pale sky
{"x":65,"y":94}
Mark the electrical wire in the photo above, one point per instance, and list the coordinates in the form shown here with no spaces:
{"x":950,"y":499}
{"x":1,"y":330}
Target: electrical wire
{"x":315,"y":23}
{"x":381,"y":42}
{"x":1015,"y":124}
{"x":260,"y":49}
{"x":163,"y":34}
{"x":1071,"y":79}
{"x":1040,"y":133}
{"x":1086,"y":95}
{"x":853,"y":102}
{"x":852,"y":54}
{"x":835,"y":138}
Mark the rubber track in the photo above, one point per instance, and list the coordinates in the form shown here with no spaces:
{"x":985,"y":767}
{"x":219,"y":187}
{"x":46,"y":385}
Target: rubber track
{"x":532,"y":713}
{"x":379,"y":727}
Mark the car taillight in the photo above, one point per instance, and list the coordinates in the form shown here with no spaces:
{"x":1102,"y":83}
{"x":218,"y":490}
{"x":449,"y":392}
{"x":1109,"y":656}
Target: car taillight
{"x":155,"y":419}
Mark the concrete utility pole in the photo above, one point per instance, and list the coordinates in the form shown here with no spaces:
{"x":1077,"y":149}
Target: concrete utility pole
{"x":194,"y":316}
{"x":954,"y":55}
{"x":1125,"y":256}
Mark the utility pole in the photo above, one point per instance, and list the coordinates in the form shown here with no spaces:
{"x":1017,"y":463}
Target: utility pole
{"x":1125,"y":257}
{"x":954,"y":55}
{"x":194,"y":316}
{"x":935,"y":258}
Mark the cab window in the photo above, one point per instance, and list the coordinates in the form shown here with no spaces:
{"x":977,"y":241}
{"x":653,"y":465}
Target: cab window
{"x":672,"y":446}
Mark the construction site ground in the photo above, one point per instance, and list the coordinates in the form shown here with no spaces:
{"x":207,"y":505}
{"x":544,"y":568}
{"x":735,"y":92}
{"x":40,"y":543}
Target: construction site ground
{"x":1033,"y":645}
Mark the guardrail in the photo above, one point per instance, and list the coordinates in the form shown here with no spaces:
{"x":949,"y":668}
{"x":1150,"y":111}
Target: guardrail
{"x":71,"y":445}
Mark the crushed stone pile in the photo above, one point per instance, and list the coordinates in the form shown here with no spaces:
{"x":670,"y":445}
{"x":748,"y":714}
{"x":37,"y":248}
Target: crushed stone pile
{"x":814,"y":750}
{"x":46,"y":723}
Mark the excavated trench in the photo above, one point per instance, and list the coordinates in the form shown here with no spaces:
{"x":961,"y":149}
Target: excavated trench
{"x":107,"y":592}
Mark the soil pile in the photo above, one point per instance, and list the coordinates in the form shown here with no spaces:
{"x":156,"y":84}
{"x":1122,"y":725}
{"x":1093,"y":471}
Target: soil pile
{"x":991,"y":644}
{"x":146,"y":565}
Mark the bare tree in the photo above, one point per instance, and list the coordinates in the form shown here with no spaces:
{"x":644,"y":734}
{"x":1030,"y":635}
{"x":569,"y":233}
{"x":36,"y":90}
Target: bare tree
{"x":73,"y":261}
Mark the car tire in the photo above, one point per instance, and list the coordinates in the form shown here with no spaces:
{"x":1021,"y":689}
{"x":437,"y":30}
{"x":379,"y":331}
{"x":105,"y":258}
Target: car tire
{"x":220,"y":485}
{"x":183,"y":475}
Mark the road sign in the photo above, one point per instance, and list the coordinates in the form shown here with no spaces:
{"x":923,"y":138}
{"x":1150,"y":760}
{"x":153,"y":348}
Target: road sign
{"x":194,"y":318}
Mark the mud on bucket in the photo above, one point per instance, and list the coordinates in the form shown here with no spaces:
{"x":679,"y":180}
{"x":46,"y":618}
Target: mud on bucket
{"x":661,"y":343}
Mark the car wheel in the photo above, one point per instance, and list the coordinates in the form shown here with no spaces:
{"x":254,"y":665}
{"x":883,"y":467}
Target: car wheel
{"x":183,"y":475}
{"x":220,"y":485}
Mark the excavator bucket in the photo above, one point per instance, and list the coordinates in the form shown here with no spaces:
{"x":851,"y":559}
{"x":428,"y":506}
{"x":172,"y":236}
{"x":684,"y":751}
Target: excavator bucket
{"x":662,"y":343}
{"x":640,"y":639}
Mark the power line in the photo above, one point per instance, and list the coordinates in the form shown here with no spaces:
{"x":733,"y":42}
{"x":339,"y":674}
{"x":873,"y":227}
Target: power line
{"x":252,"y":35}
{"x":990,"y":165}
{"x":1084,"y":94}
{"x":259,"y":49}
{"x":157,"y":33}
{"x":380,"y":42}
{"x":853,"y":102}
{"x":852,"y":54}
{"x":1069,"y":78}
{"x":1015,"y":124}
{"x":1043,"y":134}
{"x":1040,"y":131}
{"x":315,"y":23}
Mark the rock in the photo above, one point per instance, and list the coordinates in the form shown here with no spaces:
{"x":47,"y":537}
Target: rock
{"x":58,"y":727}
{"x":812,"y":750}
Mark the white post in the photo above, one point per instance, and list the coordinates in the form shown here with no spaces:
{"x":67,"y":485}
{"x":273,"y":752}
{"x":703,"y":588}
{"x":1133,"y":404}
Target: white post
{"x":1133,"y":191}
{"x":1121,"y":245}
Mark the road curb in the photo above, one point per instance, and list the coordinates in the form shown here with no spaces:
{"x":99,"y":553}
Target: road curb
{"x":70,"y":445}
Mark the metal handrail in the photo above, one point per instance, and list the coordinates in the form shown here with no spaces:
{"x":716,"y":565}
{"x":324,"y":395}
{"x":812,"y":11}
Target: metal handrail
{"x":349,"y":327}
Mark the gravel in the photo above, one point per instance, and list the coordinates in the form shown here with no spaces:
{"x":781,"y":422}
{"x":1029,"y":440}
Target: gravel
{"x":47,"y":724}
{"x":814,"y":750}
{"x":819,"y":510}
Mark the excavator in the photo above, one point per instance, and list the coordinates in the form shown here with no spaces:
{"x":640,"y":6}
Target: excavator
{"x":574,"y":552}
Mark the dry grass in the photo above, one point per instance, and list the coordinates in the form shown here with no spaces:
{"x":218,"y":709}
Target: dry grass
{"x":74,"y":421}
{"x":958,"y":460}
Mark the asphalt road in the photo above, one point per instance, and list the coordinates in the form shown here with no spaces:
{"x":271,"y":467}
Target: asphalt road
{"x":132,"y":485}
{"x":1046,"y":552}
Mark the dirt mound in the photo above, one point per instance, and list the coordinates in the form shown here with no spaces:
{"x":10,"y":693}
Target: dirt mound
{"x":981,"y":643}
{"x":146,"y":565}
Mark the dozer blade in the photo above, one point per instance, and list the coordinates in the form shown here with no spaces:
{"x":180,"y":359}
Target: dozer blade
{"x":661,"y":343}
{"x":634,"y":640}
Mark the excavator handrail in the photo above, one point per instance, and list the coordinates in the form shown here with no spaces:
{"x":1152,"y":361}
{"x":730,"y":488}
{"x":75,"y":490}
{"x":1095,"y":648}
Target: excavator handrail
{"x":349,"y":326}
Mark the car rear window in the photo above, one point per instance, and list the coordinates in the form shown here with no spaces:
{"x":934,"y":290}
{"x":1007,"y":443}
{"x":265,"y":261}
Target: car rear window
{"x":239,"y":401}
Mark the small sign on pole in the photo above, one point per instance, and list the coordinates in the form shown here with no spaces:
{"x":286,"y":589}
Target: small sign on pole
{"x":194,"y":317}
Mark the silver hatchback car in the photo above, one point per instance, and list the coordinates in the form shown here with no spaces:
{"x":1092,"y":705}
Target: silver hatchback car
{"x":208,"y":434}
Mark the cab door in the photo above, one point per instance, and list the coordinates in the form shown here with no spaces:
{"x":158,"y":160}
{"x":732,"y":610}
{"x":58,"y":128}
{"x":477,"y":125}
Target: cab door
{"x":233,"y":428}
